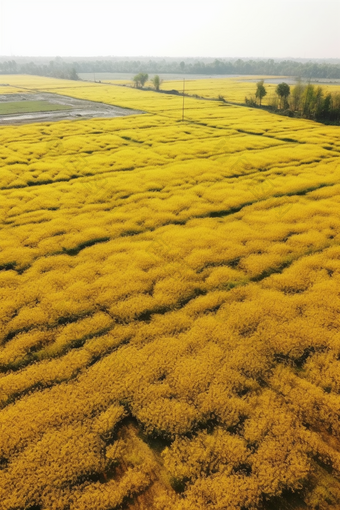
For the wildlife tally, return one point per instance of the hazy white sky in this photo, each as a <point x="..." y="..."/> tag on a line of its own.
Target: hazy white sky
<point x="174" y="28"/>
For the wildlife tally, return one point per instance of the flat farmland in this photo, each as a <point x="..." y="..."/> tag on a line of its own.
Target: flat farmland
<point x="170" y="307"/>
<point x="34" y="106"/>
<point x="10" y="107"/>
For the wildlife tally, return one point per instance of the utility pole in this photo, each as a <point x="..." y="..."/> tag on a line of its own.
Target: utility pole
<point x="183" y="99"/>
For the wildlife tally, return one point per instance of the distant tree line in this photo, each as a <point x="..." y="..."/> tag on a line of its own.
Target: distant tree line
<point x="303" y="100"/>
<point x="243" y="67"/>
<point x="55" y="68"/>
<point x="64" y="69"/>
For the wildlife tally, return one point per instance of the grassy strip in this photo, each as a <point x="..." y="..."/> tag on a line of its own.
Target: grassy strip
<point x="17" y="107"/>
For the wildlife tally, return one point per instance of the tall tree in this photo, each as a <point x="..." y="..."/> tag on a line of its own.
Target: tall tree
<point x="143" y="78"/>
<point x="140" y="80"/>
<point x="283" y="91"/>
<point x="296" y="96"/>
<point x="309" y="101"/>
<point x="157" y="82"/>
<point x="260" y="91"/>
<point x="319" y="102"/>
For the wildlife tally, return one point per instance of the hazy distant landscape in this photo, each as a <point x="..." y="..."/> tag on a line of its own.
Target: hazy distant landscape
<point x="129" y="76"/>
<point x="70" y="68"/>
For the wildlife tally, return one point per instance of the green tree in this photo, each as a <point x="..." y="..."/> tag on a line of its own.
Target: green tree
<point x="260" y="91"/>
<point x="157" y="82"/>
<point x="296" y="96"/>
<point x="327" y="106"/>
<point x="140" y="80"/>
<point x="309" y="101"/>
<point x="318" y="102"/>
<point x="283" y="91"/>
<point x="335" y="108"/>
<point x="143" y="78"/>
<point x="136" y="82"/>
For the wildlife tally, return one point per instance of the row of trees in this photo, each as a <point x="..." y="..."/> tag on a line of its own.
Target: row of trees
<point x="141" y="78"/>
<point x="303" y="100"/>
<point x="282" y="91"/>
<point x="306" y="70"/>
<point x="55" y="68"/>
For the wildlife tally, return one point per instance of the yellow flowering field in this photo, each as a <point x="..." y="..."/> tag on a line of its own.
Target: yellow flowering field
<point x="24" y="82"/>
<point x="170" y="308"/>
<point x="232" y="89"/>
<point x="10" y="90"/>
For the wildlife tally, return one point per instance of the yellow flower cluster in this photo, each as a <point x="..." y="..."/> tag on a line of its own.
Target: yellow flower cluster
<point x="169" y="318"/>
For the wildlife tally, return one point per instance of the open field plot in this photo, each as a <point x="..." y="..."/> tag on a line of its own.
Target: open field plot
<point x="10" y="107"/>
<point x="40" y="106"/>
<point x="169" y="309"/>
<point x="29" y="82"/>
<point x="8" y="89"/>
<point x="233" y="90"/>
